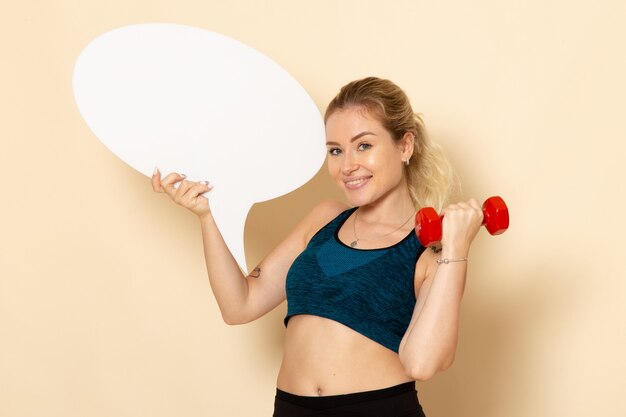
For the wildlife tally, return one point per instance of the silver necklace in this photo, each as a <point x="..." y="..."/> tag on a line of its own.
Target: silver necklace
<point x="356" y="238"/>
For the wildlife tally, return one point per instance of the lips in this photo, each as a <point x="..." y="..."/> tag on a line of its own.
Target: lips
<point x="356" y="183"/>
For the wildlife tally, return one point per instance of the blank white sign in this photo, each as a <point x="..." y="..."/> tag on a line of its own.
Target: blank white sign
<point x="196" y="102"/>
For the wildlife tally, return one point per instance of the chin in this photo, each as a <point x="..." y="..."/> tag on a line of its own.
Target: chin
<point x="357" y="200"/>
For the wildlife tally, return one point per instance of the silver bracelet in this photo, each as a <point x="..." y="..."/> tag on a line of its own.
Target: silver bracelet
<point x="447" y="261"/>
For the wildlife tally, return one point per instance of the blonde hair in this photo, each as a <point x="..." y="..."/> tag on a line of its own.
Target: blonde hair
<point x="429" y="174"/>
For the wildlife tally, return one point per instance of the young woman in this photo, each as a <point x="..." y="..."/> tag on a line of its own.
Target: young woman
<point x="369" y="309"/>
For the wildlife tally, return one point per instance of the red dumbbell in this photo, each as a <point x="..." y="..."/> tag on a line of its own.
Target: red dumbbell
<point x="428" y="222"/>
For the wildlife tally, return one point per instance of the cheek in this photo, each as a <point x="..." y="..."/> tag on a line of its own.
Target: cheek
<point x="388" y="164"/>
<point x="377" y="160"/>
<point x="371" y="160"/>
<point x="332" y="165"/>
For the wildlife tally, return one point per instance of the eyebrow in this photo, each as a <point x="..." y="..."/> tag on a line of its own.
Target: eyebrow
<point x="353" y="138"/>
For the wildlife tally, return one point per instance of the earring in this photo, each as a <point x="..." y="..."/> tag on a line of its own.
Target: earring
<point x="406" y="162"/>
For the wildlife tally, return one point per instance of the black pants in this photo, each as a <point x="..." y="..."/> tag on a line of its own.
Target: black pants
<point x="397" y="401"/>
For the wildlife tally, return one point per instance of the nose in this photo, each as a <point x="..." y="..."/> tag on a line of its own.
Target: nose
<point x="350" y="163"/>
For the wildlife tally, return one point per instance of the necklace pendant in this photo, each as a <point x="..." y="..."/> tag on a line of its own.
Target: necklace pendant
<point x="353" y="244"/>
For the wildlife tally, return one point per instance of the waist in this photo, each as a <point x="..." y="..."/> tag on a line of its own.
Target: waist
<point x="324" y="357"/>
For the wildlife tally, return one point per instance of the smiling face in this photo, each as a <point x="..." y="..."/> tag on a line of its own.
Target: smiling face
<point x="364" y="160"/>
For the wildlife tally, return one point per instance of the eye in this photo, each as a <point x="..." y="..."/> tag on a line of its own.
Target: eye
<point x="364" y="146"/>
<point x="334" y="151"/>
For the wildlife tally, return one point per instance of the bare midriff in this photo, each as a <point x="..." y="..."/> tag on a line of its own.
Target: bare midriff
<point x="323" y="357"/>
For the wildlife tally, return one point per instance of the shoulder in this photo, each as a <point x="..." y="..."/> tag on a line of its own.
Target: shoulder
<point x="321" y="215"/>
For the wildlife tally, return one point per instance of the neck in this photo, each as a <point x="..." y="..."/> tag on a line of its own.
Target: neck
<point x="391" y="209"/>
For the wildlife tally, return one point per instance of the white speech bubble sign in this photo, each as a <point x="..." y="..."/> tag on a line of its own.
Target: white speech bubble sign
<point x="200" y="103"/>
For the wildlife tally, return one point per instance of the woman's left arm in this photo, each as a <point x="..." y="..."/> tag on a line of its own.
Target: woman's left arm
<point x="429" y="344"/>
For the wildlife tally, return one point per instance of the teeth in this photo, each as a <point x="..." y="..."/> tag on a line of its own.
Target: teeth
<point x="355" y="182"/>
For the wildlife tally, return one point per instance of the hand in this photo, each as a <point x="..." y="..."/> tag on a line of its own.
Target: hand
<point x="461" y="222"/>
<point x="188" y="194"/>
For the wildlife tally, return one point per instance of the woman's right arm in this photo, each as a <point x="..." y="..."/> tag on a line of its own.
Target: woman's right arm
<point x="240" y="298"/>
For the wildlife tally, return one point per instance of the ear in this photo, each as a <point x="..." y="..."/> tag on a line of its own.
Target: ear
<point x="407" y="145"/>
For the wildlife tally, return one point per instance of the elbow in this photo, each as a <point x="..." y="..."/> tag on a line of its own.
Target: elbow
<point x="423" y="371"/>
<point x="234" y="319"/>
<point x="231" y="321"/>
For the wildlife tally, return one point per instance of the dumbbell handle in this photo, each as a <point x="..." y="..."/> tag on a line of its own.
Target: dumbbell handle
<point x="428" y="222"/>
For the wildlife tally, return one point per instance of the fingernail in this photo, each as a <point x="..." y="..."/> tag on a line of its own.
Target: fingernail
<point x="204" y="182"/>
<point x="156" y="170"/>
<point x="183" y="175"/>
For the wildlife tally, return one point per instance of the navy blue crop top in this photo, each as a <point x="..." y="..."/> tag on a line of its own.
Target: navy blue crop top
<point x="368" y="290"/>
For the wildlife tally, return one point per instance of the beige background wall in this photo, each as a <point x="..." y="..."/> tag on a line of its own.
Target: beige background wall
<point x="105" y="308"/>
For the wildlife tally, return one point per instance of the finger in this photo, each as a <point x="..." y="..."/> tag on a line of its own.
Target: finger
<point x="193" y="193"/>
<point x="196" y="189"/>
<point x="156" y="181"/>
<point x="183" y="187"/>
<point x="471" y="209"/>
<point x="192" y="198"/>
<point x="172" y="178"/>
<point x="169" y="182"/>
<point x="204" y="186"/>
<point x="188" y="190"/>
<point x="474" y="203"/>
